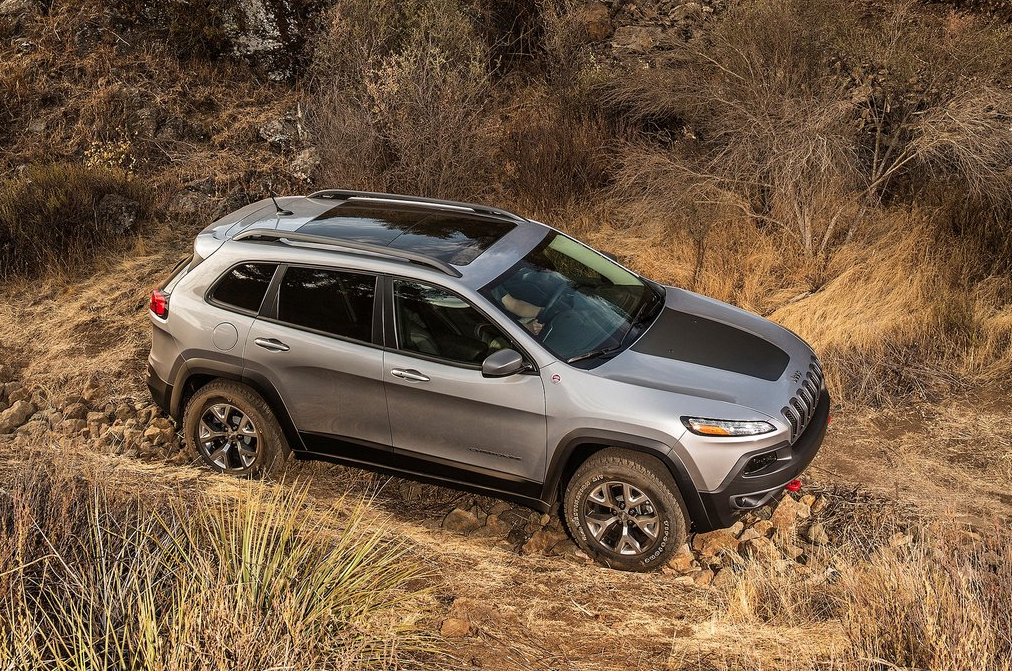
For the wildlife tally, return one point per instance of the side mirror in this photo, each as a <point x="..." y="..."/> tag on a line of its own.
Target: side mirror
<point x="502" y="363"/>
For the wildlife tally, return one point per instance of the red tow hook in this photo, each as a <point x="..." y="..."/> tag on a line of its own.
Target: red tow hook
<point x="794" y="486"/>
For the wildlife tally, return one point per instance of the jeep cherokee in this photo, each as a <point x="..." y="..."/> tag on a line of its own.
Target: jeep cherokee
<point x="468" y="346"/>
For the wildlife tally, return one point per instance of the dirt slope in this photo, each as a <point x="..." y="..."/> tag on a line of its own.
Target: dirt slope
<point x="525" y="612"/>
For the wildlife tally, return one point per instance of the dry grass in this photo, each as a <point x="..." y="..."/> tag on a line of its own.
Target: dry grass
<point x="96" y="578"/>
<point x="50" y="216"/>
<point x="943" y="604"/>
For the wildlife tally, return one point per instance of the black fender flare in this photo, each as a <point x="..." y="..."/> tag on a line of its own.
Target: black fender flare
<point x="575" y="442"/>
<point x="260" y="384"/>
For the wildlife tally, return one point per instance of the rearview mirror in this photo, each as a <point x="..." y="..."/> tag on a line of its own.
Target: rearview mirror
<point x="502" y="363"/>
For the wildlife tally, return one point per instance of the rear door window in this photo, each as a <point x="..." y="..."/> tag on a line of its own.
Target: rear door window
<point x="334" y="302"/>
<point x="244" y="287"/>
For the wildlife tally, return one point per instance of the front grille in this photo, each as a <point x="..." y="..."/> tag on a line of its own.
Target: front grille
<point x="801" y="407"/>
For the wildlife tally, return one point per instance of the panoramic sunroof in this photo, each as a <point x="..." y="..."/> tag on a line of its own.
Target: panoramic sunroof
<point x="454" y="238"/>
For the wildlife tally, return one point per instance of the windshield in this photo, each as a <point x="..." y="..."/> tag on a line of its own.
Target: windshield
<point x="577" y="303"/>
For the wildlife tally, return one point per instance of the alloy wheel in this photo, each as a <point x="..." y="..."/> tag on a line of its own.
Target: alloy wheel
<point x="621" y="517"/>
<point x="229" y="437"/>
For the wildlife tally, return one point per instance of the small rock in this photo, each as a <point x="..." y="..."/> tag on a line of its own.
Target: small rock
<point x="18" y="394"/>
<point x="758" y="548"/>
<point x="542" y="542"/>
<point x="816" y="534"/>
<point x="304" y="165"/>
<point x="71" y="427"/>
<point x="567" y="548"/>
<point x="454" y="627"/>
<point x="635" y="39"/>
<point x="749" y="534"/>
<point x="703" y="578"/>
<point x="819" y="504"/>
<point x="118" y="213"/>
<point x="683" y="560"/>
<point x="715" y="542"/>
<point x="785" y="517"/>
<point x="808" y="500"/>
<point x="188" y="202"/>
<point x="152" y="433"/>
<point x="499" y="507"/>
<point x="763" y="528"/>
<point x="16" y="415"/>
<point x="97" y="418"/>
<point x="124" y="412"/>
<point x="6" y="373"/>
<point x="494" y="527"/>
<point x="724" y="578"/>
<point x="737" y="527"/>
<point x="461" y="521"/>
<point x="595" y="19"/>
<point x="793" y="551"/>
<point x="75" y="411"/>
<point x="277" y="132"/>
<point x="162" y="423"/>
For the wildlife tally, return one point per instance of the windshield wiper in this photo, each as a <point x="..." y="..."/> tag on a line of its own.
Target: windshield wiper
<point x="595" y="353"/>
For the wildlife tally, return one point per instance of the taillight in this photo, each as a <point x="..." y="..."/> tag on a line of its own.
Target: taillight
<point x="159" y="304"/>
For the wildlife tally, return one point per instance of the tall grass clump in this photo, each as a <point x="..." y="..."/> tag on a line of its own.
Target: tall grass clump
<point x="50" y="215"/>
<point x="937" y="605"/>
<point x="90" y="579"/>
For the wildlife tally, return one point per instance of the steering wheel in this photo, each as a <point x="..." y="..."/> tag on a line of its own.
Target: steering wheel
<point x="553" y="299"/>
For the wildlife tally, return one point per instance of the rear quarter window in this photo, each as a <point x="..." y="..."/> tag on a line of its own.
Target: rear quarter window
<point x="244" y="287"/>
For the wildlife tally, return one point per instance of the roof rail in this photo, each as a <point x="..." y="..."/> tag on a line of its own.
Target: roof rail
<point x="413" y="257"/>
<point x="345" y="194"/>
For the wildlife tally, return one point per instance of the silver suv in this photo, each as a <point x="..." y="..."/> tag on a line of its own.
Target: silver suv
<point x="471" y="347"/>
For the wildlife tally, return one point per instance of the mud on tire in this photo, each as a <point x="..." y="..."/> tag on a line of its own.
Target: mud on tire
<point x="598" y="492"/>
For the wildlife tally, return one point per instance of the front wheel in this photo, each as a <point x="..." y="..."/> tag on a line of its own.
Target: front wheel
<point x="624" y="510"/>
<point x="234" y="431"/>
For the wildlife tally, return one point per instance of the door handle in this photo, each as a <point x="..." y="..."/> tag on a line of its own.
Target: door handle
<point x="271" y="344"/>
<point x="410" y="375"/>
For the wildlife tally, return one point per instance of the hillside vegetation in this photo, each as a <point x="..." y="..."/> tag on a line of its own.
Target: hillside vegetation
<point x="843" y="168"/>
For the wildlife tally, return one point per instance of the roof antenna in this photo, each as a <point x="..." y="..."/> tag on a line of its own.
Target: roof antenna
<point x="281" y="212"/>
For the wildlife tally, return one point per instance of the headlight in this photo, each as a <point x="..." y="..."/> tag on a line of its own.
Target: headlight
<point x="726" y="427"/>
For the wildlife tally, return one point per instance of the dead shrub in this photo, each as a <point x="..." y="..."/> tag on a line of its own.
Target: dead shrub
<point x="49" y="215"/>
<point x="937" y="605"/>
<point x="553" y="155"/>
<point x="412" y="112"/>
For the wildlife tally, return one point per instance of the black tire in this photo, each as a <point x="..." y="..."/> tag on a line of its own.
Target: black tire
<point x="266" y="453"/>
<point x="595" y="493"/>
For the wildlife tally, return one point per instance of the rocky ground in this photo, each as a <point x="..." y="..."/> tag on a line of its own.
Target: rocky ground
<point x="787" y="533"/>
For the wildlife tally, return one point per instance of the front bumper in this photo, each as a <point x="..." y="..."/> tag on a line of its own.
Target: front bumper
<point x="740" y="493"/>
<point x="161" y="391"/>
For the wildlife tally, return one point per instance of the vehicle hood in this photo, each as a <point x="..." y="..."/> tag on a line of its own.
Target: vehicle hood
<point x="704" y="348"/>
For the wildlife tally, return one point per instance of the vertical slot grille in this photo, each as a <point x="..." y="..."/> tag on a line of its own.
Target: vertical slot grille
<point x="801" y="407"/>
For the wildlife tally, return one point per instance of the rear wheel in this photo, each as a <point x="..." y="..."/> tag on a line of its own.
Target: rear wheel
<point x="624" y="510"/>
<point x="234" y="431"/>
